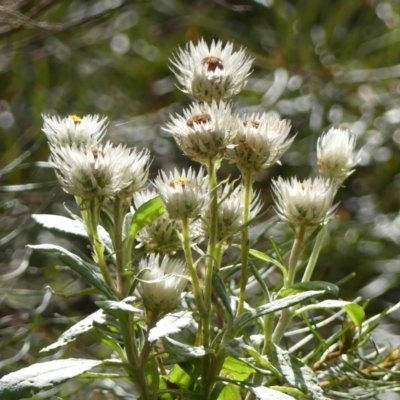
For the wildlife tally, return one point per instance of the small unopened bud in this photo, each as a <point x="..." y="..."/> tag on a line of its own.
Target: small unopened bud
<point x="336" y="154"/>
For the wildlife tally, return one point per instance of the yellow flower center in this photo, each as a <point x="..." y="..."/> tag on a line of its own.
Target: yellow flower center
<point x="76" y="119"/>
<point x="179" y="181"/>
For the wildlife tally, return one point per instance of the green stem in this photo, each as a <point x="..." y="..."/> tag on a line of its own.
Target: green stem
<point x="119" y="212"/>
<point x="287" y="314"/>
<point x="98" y="247"/>
<point x="247" y="183"/>
<point x="192" y="269"/>
<point x="314" y="255"/>
<point x="144" y="355"/>
<point x="136" y="374"/>
<point x="210" y="266"/>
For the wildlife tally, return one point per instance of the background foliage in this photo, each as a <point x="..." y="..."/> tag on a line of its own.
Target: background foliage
<point x="318" y="63"/>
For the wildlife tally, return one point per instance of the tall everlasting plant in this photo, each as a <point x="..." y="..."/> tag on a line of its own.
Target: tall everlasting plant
<point x="180" y="321"/>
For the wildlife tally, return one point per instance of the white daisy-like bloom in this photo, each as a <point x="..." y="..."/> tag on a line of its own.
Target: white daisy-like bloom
<point x="204" y="131"/>
<point x="183" y="194"/>
<point x="211" y="73"/>
<point x="336" y="154"/>
<point x="88" y="130"/>
<point x="103" y="171"/>
<point x="230" y="212"/>
<point x="307" y="203"/>
<point x="259" y="142"/>
<point x="162" y="283"/>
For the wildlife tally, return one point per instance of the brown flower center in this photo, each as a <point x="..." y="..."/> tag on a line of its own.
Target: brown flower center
<point x="97" y="152"/>
<point x="198" y="119"/>
<point x="213" y="63"/>
<point x="256" y="124"/>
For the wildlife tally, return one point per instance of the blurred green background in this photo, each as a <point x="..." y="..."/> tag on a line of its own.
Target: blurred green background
<point x="319" y="63"/>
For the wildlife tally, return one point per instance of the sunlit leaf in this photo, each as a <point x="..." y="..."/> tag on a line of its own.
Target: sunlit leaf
<point x="243" y="319"/>
<point x="355" y="312"/>
<point x="171" y="323"/>
<point x="69" y="225"/>
<point x="42" y="376"/>
<point x="78" y="265"/>
<point x="146" y="214"/>
<point x="294" y="372"/>
<point x="264" y="393"/>
<point x="75" y="331"/>
<point x="314" y="285"/>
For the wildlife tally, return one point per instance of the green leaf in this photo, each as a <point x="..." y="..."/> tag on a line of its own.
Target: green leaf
<point x="243" y="319"/>
<point x="230" y="392"/>
<point x="78" y="265"/>
<point x="171" y="323"/>
<point x="220" y="288"/>
<point x="304" y="286"/>
<point x="236" y="369"/>
<point x="294" y="372"/>
<point x="152" y="375"/>
<point x="146" y="214"/>
<point x="179" y="377"/>
<point x="263" y="393"/>
<point x="179" y="353"/>
<point x="75" y="331"/>
<point x="42" y="376"/>
<point x="115" y="306"/>
<point x="185" y="394"/>
<point x="72" y="226"/>
<point x="264" y="257"/>
<point x="355" y="312"/>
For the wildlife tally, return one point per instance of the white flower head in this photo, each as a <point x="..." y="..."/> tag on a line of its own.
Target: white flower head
<point x="204" y="131"/>
<point x="336" y="154"/>
<point x="162" y="283"/>
<point x="307" y="203"/>
<point x="259" y="142"/>
<point x="230" y="212"/>
<point x="161" y="234"/>
<point x="211" y="73"/>
<point x="183" y="194"/>
<point x="103" y="171"/>
<point x="88" y="130"/>
<point x="132" y="170"/>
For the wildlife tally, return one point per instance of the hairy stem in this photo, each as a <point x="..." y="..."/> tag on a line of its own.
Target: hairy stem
<point x="314" y="255"/>
<point x="247" y="182"/>
<point x="287" y="314"/>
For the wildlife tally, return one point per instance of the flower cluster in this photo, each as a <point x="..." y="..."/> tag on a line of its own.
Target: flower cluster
<point x="88" y="169"/>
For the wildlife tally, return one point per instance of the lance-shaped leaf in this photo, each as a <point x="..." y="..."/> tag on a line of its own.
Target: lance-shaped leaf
<point x="78" y="265"/>
<point x="179" y="353"/>
<point x="146" y="214"/>
<point x="294" y="372"/>
<point x="117" y="306"/>
<point x="219" y="286"/>
<point x="355" y="312"/>
<point x="263" y="393"/>
<point x="171" y="323"/>
<point x="276" y="305"/>
<point x="314" y="285"/>
<point x="75" y="331"/>
<point x="72" y="226"/>
<point x="43" y="376"/>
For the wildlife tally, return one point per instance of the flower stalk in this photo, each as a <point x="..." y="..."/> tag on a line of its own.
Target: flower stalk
<point x="287" y="314"/>
<point x="247" y="195"/>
